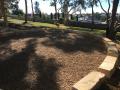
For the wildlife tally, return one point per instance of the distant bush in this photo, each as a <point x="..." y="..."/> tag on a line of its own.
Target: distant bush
<point x="86" y="25"/>
<point x="18" y="12"/>
<point x="61" y="20"/>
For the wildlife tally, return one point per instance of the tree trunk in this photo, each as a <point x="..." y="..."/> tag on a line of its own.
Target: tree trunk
<point x="66" y="11"/>
<point x="80" y="12"/>
<point x="0" y="10"/>
<point x="26" y="11"/>
<point x="4" y="11"/>
<point x="56" y="16"/>
<point x="32" y="10"/>
<point x="5" y="16"/>
<point x="92" y="14"/>
<point x="108" y="23"/>
<point x="112" y="32"/>
<point x="107" y="15"/>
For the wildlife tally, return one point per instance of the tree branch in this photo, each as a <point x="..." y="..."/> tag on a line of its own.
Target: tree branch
<point x="70" y="9"/>
<point x="109" y="6"/>
<point x="102" y="7"/>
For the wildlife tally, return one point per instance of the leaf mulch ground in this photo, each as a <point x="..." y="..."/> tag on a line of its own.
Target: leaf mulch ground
<point x="55" y="61"/>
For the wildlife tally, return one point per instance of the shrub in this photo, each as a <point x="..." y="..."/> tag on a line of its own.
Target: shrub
<point x="86" y="25"/>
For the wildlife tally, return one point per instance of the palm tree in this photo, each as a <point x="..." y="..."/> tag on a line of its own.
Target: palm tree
<point x="32" y="9"/>
<point x="26" y="11"/>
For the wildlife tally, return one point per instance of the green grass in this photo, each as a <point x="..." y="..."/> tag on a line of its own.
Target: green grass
<point x="63" y="27"/>
<point x="16" y="21"/>
<point x="37" y="24"/>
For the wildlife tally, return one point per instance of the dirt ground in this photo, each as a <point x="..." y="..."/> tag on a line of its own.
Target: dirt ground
<point x="55" y="61"/>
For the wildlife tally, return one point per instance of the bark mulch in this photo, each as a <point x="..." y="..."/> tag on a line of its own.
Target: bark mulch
<point x="53" y="62"/>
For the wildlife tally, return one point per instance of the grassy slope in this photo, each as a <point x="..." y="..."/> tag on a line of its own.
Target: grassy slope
<point x="48" y="25"/>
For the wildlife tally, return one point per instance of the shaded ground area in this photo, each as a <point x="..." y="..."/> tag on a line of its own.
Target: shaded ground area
<point x="47" y="60"/>
<point x="114" y="82"/>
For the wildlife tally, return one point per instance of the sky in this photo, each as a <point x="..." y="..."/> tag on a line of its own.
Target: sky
<point x="46" y="8"/>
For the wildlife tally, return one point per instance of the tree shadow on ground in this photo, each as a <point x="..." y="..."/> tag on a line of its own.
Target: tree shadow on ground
<point x="112" y="83"/>
<point x="66" y="40"/>
<point x="21" y="34"/>
<point x="47" y="79"/>
<point x="73" y="42"/>
<point x="15" y="69"/>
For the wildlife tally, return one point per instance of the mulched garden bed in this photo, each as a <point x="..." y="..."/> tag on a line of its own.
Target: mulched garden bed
<point x="53" y="61"/>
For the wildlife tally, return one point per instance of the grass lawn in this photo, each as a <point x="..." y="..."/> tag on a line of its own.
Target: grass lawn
<point x="63" y="27"/>
<point x="37" y="24"/>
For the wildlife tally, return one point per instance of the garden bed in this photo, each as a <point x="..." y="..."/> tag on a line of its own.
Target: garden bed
<point x="53" y="61"/>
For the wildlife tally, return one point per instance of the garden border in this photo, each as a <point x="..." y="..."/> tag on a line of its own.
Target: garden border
<point x="94" y="79"/>
<point x="105" y="70"/>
